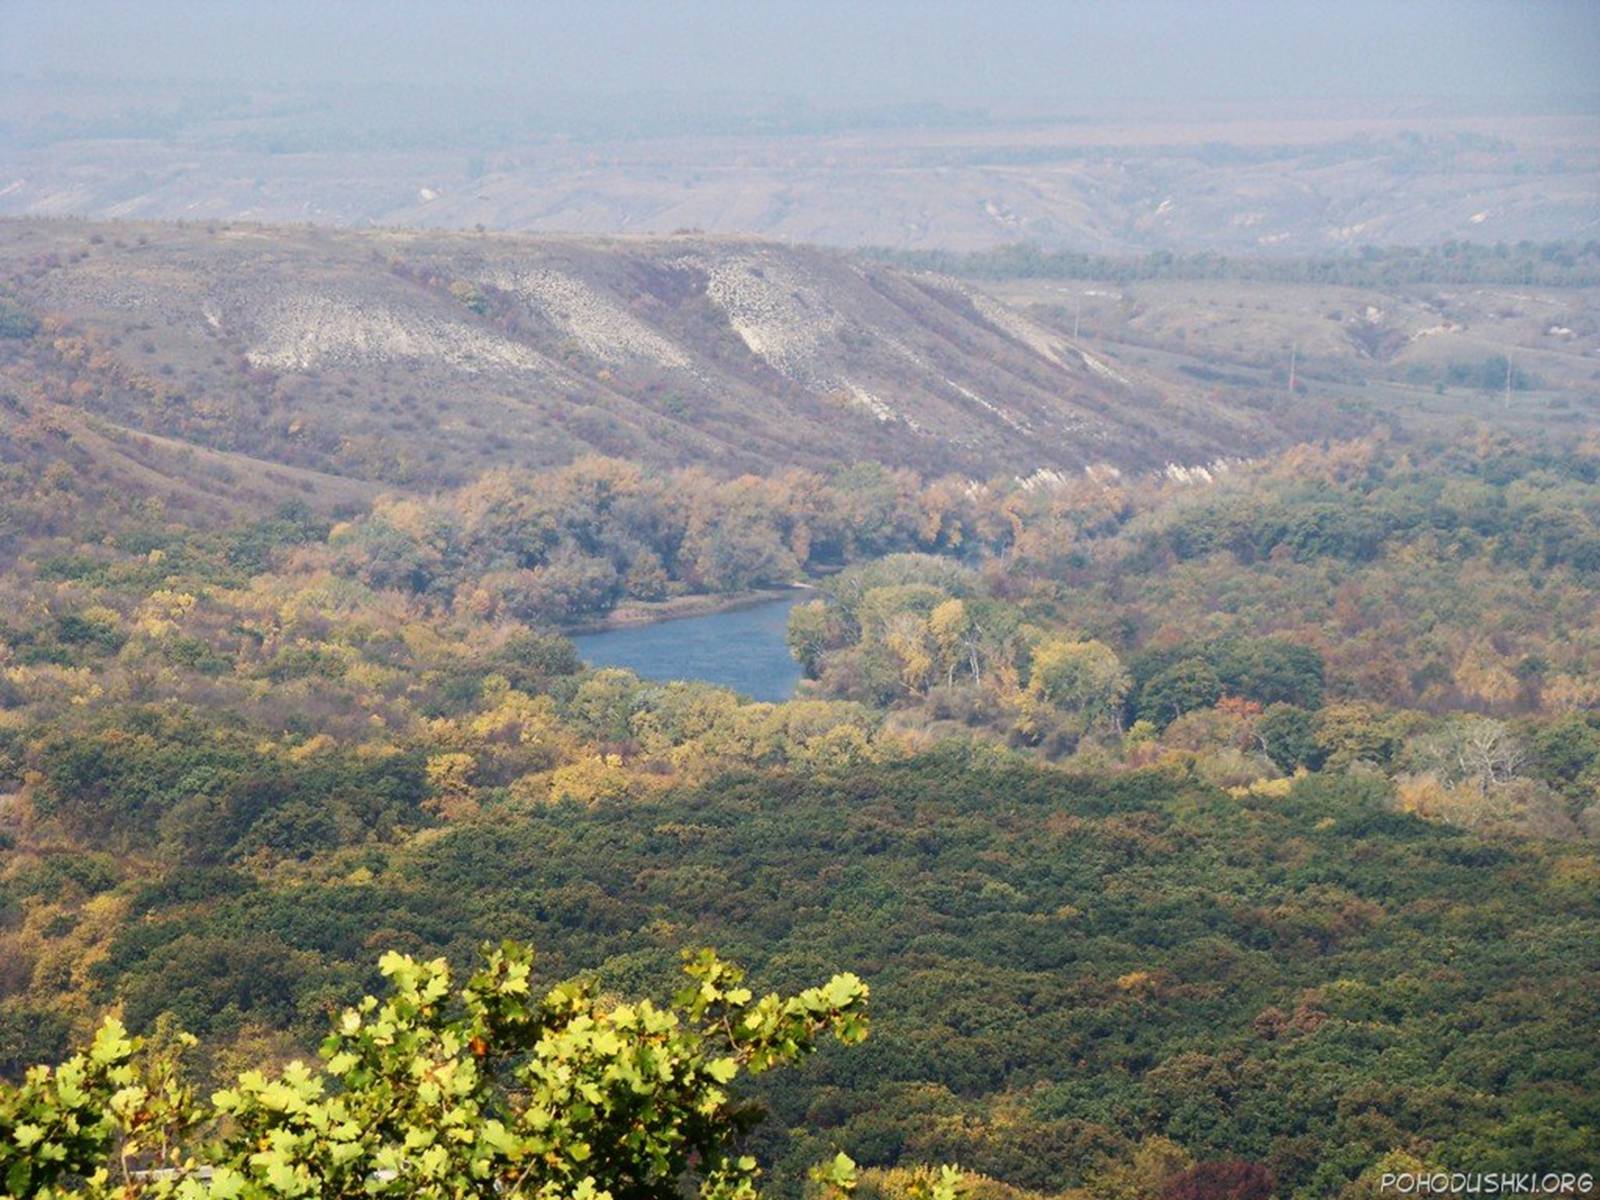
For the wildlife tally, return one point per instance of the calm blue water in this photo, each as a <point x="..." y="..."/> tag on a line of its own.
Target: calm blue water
<point x="743" y="649"/>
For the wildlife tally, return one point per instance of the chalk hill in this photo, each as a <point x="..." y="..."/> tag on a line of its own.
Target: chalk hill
<point x="417" y="359"/>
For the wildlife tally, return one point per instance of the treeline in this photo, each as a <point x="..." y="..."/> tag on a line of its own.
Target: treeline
<point x="567" y="545"/>
<point x="1425" y="615"/>
<point x="1430" y="544"/>
<point x="1488" y="374"/>
<point x="1568" y="263"/>
<point x="1362" y="604"/>
<point x="1249" y="714"/>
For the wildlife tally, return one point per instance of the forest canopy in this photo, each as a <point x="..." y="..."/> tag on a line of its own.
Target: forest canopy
<point x="1212" y="830"/>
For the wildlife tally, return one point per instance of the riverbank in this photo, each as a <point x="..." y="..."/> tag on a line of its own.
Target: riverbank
<point x="700" y="604"/>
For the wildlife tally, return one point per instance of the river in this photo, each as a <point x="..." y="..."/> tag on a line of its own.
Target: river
<point x="742" y="649"/>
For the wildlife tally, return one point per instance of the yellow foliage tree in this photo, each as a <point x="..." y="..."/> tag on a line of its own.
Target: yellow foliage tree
<point x="590" y="780"/>
<point x="1154" y="1162"/>
<point x="949" y="624"/>
<point x="450" y="790"/>
<point x="1482" y="676"/>
<point x="1084" y="679"/>
<point x="906" y="636"/>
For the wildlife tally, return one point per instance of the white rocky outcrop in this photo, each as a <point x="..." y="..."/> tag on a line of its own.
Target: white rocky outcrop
<point x="313" y="330"/>
<point x="596" y="321"/>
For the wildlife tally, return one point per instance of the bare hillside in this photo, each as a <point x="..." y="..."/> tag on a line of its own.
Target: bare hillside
<point x="420" y="358"/>
<point x="1419" y="354"/>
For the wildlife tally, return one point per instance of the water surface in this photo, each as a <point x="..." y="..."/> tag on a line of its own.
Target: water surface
<point x="742" y="649"/>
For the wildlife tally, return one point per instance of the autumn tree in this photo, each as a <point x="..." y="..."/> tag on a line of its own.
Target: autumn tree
<point x="812" y="631"/>
<point x="952" y="630"/>
<point x="905" y="635"/>
<point x="1234" y="1179"/>
<point x="1470" y="750"/>
<point x="1084" y="679"/>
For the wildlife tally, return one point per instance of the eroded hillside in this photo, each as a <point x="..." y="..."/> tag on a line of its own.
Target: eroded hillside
<point x="419" y="359"/>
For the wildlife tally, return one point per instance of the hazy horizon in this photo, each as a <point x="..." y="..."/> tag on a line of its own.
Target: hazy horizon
<point x="1237" y="125"/>
<point x="1005" y="54"/>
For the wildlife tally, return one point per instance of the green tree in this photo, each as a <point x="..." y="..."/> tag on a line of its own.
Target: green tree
<point x="740" y="552"/>
<point x="951" y="627"/>
<point x="1183" y="687"/>
<point x="1288" y="734"/>
<point x="431" y="1093"/>
<point x="118" y="1102"/>
<point x="1083" y="678"/>
<point x="812" y="630"/>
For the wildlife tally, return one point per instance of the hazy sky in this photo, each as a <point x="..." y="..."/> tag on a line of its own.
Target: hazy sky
<point x="972" y="53"/>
